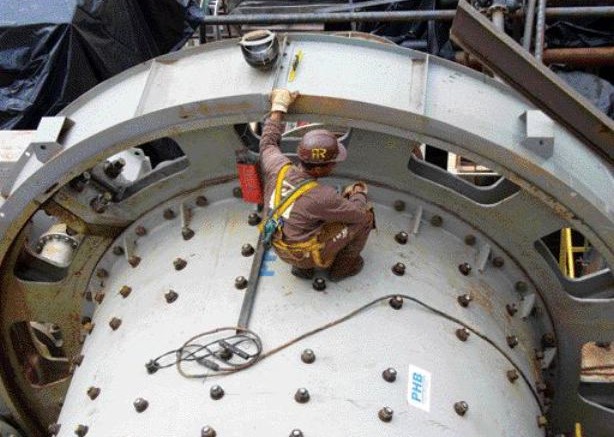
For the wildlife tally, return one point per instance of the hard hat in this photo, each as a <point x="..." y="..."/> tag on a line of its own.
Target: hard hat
<point x="321" y="147"/>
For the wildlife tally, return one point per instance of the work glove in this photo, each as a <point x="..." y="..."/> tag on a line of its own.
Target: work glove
<point x="356" y="187"/>
<point x="281" y="99"/>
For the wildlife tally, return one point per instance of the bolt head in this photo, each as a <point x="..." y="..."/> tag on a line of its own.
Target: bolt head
<point x="81" y="430"/>
<point x="464" y="268"/>
<point x="385" y="414"/>
<point x="247" y="250"/>
<point x="115" y="323"/>
<point x="399" y="205"/>
<point x="498" y="261"/>
<point x="436" y="220"/>
<point x="207" y="431"/>
<point x="125" y="291"/>
<point x="216" y="392"/>
<point x="187" y="233"/>
<point x="140" y="404"/>
<point x="179" y="263"/>
<point x="237" y="192"/>
<point x="171" y="296"/>
<point x="134" y="261"/>
<point x="470" y="239"/>
<point x="389" y="375"/>
<point x="461" y="408"/>
<point x="511" y="309"/>
<point x="512" y="375"/>
<point x="296" y="433"/>
<point x="102" y="273"/>
<point x="401" y="237"/>
<point x="118" y="250"/>
<point x="302" y="396"/>
<point x="225" y="354"/>
<point x="308" y="356"/>
<point x="464" y="300"/>
<point x="462" y="334"/>
<point x="140" y="231"/>
<point x="512" y="341"/>
<point x="93" y="392"/>
<point x="152" y="367"/>
<point x="539" y="355"/>
<point x="240" y="282"/>
<point x="396" y="302"/>
<point x="254" y="219"/>
<point x="202" y="201"/>
<point x="99" y="297"/>
<point x="398" y="269"/>
<point x="548" y="340"/>
<point x="319" y="284"/>
<point x="168" y="214"/>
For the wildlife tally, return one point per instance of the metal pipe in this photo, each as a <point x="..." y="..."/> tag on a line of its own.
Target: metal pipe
<point x="528" y="25"/>
<point x="498" y="19"/>
<point x="589" y="56"/>
<point x="540" y="29"/>
<point x="345" y="17"/>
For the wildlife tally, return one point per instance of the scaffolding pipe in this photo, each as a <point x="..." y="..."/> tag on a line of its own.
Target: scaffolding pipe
<point x="528" y="25"/>
<point x="346" y="17"/>
<point x="540" y="30"/>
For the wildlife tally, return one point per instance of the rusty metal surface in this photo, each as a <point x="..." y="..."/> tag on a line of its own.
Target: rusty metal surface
<point x="584" y="57"/>
<point x="517" y="67"/>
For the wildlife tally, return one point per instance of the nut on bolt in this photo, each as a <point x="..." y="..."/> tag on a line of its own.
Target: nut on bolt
<point x="171" y="296"/>
<point x="134" y="261"/>
<point x="93" y="392"/>
<point x="207" y="431"/>
<point x="81" y="430"/>
<point x="461" y="408"/>
<point x="140" y="404"/>
<point x="498" y="261"/>
<point x="436" y="220"/>
<point x="470" y="239"/>
<point x="401" y="237"/>
<point x="389" y="375"/>
<point x="179" y="263"/>
<point x="464" y="300"/>
<point x="187" y="233"/>
<point x="54" y="429"/>
<point x="462" y="334"/>
<point x="296" y="433"/>
<point x="115" y="323"/>
<point x="399" y="205"/>
<point x="118" y="250"/>
<point x="308" y="356"/>
<point x="511" y="309"/>
<point x="240" y="282"/>
<point x="216" y="392"/>
<point x="398" y="269"/>
<point x="125" y="291"/>
<point x="254" y="219"/>
<point x="464" y="268"/>
<point x="396" y="302"/>
<point x="247" y="250"/>
<point x="202" y="201"/>
<point x="512" y="341"/>
<point x="140" y="231"/>
<point x="114" y="168"/>
<point x="385" y="414"/>
<point x="512" y="375"/>
<point x="169" y="214"/>
<point x="302" y="395"/>
<point x="319" y="284"/>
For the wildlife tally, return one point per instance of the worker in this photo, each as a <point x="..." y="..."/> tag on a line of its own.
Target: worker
<point x="309" y="224"/>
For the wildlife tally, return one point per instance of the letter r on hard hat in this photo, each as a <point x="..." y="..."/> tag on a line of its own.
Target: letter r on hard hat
<point x="321" y="146"/>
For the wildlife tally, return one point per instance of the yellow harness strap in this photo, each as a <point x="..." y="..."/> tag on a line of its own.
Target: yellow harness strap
<point x="281" y="208"/>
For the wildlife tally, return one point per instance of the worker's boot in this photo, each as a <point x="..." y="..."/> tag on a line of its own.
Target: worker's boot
<point x="303" y="273"/>
<point x="344" y="267"/>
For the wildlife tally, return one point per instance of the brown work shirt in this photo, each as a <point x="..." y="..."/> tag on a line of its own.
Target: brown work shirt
<point x="318" y="206"/>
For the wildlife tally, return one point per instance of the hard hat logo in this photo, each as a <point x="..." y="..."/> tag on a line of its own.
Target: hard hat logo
<point x="320" y="147"/>
<point x="318" y="154"/>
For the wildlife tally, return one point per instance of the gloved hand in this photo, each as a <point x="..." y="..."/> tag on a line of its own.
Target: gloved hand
<point x="356" y="187"/>
<point x="281" y="99"/>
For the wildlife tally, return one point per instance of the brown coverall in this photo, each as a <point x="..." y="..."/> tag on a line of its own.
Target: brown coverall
<point x="343" y="225"/>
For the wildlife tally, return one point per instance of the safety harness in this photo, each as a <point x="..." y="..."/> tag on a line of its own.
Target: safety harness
<point x="274" y="221"/>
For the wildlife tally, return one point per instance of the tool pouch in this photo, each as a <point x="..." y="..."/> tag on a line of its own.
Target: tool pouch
<point x="249" y="178"/>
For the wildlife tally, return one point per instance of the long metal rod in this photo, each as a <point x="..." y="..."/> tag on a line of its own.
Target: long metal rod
<point x="528" y="25"/>
<point x="252" y="285"/>
<point x="540" y="30"/>
<point x="345" y="17"/>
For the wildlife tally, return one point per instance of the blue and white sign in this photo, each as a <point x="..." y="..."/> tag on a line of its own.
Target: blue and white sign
<point x="419" y="388"/>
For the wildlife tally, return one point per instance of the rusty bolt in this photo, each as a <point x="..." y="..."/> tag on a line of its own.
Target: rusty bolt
<point x="99" y="297"/>
<point x="542" y="421"/>
<point x="462" y="334"/>
<point x="399" y="205"/>
<point x="308" y="356"/>
<point x="207" y="431"/>
<point x="436" y="220"/>
<point x="498" y="261"/>
<point x="319" y="284"/>
<point x="81" y="430"/>
<point x="237" y="192"/>
<point x="521" y="286"/>
<point x="118" y="250"/>
<point x="216" y="392"/>
<point x="101" y="202"/>
<point x="464" y="268"/>
<point x="134" y="261"/>
<point x="102" y="273"/>
<point x="470" y="239"/>
<point x="247" y="250"/>
<point x="511" y="309"/>
<point x="225" y="354"/>
<point x="140" y="231"/>
<point x="93" y="392"/>
<point x="187" y="233"/>
<point x="389" y="375"/>
<point x="202" y="201"/>
<point x="296" y="433"/>
<point x="401" y="237"/>
<point x="396" y="302"/>
<point x="240" y="282"/>
<point x="512" y="341"/>
<point x="398" y="269"/>
<point x="254" y="219"/>
<point x="171" y="296"/>
<point x="464" y="300"/>
<point x="548" y="340"/>
<point x="168" y="214"/>
<point x="125" y="291"/>
<point x="180" y="263"/>
<point x="385" y="414"/>
<point x="140" y="404"/>
<point x="461" y="408"/>
<point x="78" y="184"/>
<point x="114" y="168"/>
<point x="302" y="396"/>
<point x="54" y="429"/>
<point x="512" y="375"/>
<point x="115" y="323"/>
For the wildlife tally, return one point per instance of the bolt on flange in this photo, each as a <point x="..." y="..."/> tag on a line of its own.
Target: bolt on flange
<point x="179" y="263"/>
<point x="461" y="408"/>
<point x="464" y="268"/>
<point x="171" y="296"/>
<point x="247" y="250"/>
<point x="398" y="269"/>
<point x="140" y="231"/>
<point x="81" y="430"/>
<point x="296" y="433"/>
<point x="464" y="300"/>
<point x="302" y="395"/>
<point x="202" y="201"/>
<point x="462" y="334"/>
<point x="216" y="392"/>
<point x="401" y="237"/>
<point x="169" y="214"/>
<point x="389" y="375"/>
<point x="470" y="239"/>
<point x="436" y="221"/>
<point x="140" y="404"/>
<point x="93" y="392"/>
<point x="134" y="261"/>
<point x="187" y="233"/>
<point x="254" y="219"/>
<point x="399" y="205"/>
<point x="308" y="356"/>
<point x="512" y="341"/>
<point x="240" y="282"/>
<point x="125" y="291"/>
<point x="319" y="284"/>
<point x="396" y="302"/>
<point x="511" y="308"/>
<point x="207" y="431"/>
<point x="115" y="323"/>
<point x="498" y="261"/>
<point x="512" y="375"/>
<point x="385" y="414"/>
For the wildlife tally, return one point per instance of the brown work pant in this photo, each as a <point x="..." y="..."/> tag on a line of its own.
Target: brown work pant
<point x="340" y="241"/>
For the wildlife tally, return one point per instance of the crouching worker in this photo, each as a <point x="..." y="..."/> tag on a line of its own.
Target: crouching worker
<point x="309" y="224"/>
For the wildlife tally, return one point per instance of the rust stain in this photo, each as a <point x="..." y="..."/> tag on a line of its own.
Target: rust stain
<point x="482" y="295"/>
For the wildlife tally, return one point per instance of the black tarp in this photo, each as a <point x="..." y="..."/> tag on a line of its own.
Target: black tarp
<point x="52" y="51"/>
